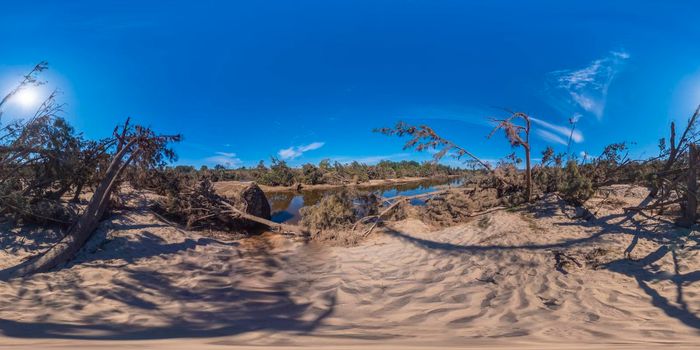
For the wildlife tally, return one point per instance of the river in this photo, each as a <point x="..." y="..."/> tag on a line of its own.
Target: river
<point x="285" y="205"/>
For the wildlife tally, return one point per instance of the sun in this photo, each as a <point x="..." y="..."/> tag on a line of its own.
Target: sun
<point x="27" y="97"/>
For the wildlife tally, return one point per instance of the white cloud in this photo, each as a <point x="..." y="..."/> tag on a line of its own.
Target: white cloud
<point x="550" y="137"/>
<point x="587" y="88"/>
<point x="296" y="151"/>
<point x="226" y="154"/>
<point x="226" y="159"/>
<point x="620" y="54"/>
<point x="557" y="133"/>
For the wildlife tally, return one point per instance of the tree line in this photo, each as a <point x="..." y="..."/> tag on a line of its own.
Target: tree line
<point x="279" y="173"/>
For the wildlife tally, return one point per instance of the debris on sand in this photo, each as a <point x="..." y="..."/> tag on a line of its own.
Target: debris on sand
<point x="332" y="218"/>
<point x="457" y="205"/>
<point x="200" y="206"/>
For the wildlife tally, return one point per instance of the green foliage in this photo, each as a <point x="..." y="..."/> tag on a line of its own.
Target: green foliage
<point x="279" y="174"/>
<point x="185" y="169"/>
<point x="310" y="174"/>
<point x="548" y="176"/>
<point x="575" y="187"/>
<point x="333" y="211"/>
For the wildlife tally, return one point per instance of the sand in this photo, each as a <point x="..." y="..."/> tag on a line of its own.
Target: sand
<point x="531" y="278"/>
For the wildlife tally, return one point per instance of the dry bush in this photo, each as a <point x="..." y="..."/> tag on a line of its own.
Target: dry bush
<point x="334" y="211"/>
<point x="506" y="180"/>
<point x="199" y="206"/>
<point x="455" y="206"/>
<point x="333" y="217"/>
<point x="338" y="237"/>
<point x="164" y="181"/>
<point x="403" y="211"/>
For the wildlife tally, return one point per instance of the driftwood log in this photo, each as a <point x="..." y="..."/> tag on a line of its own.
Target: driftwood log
<point x="283" y="228"/>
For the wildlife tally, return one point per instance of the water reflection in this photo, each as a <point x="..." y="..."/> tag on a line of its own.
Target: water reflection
<point x="285" y="205"/>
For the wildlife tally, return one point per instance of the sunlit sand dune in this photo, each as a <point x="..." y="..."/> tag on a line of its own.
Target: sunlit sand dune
<point x="513" y="278"/>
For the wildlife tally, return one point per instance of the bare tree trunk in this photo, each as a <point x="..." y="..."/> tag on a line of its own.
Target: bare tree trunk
<point x="528" y="175"/>
<point x="528" y="165"/>
<point x="691" y="206"/>
<point x="78" y="190"/>
<point x="66" y="249"/>
<point x="669" y="162"/>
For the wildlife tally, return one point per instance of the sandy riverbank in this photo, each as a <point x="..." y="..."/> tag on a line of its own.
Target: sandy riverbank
<point x="528" y="278"/>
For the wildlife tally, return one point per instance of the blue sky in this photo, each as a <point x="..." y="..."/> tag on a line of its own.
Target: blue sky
<point x="307" y="80"/>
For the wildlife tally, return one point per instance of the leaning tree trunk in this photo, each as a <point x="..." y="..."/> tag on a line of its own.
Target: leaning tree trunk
<point x="691" y="205"/>
<point x="528" y="175"/>
<point x="79" y="233"/>
<point x="78" y="190"/>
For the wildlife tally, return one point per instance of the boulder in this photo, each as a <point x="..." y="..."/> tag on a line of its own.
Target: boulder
<point x="246" y="197"/>
<point x="254" y="200"/>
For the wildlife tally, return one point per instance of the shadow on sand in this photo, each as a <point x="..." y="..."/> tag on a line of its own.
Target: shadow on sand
<point x="645" y="271"/>
<point x="217" y="305"/>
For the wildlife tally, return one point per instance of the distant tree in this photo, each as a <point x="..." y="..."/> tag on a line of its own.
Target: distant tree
<point x="325" y="165"/>
<point x="280" y="174"/>
<point x="311" y="175"/>
<point x="185" y="169"/>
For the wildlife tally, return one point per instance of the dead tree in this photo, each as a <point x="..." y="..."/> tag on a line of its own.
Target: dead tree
<point x="518" y="135"/>
<point x="674" y="149"/>
<point x="572" y="121"/>
<point x="675" y="180"/>
<point x="137" y="146"/>
<point x="691" y="205"/>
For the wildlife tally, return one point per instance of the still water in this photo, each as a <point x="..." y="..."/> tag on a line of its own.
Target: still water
<point x="285" y="205"/>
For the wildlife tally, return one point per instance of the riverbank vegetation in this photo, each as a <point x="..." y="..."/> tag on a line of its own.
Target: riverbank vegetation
<point x="279" y="173"/>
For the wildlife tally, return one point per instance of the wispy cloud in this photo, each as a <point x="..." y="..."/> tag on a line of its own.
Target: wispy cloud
<point x="587" y="88"/>
<point x="226" y="159"/>
<point x="296" y="151"/>
<point x="556" y="133"/>
<point x="548" y="136"/>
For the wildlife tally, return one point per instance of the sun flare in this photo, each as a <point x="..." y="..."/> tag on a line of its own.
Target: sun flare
<point x="27" y="97"/>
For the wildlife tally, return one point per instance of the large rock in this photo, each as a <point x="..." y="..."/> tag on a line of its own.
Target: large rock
<point x="254" y="200"/>
<point x="247" y="197"/>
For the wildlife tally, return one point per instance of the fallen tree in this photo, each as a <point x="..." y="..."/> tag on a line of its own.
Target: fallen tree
<point x="133" y="146"/>
<point x="194" y="203"/>
<point x="674" y="182"/>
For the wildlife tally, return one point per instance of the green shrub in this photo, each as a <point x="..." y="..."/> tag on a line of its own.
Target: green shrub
<point x="575" y="188"/>
<point x="333" y="211"/>
<point x="310" y="174"/>
<point x="280" y="174"/>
